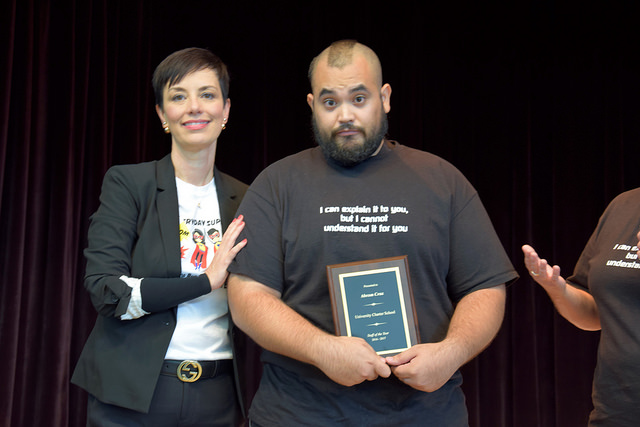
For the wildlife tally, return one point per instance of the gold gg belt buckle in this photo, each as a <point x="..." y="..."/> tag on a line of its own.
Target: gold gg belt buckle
<point x="189" y="371"/>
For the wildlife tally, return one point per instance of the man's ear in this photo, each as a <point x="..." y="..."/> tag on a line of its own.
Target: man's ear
<point x="310" y="100"/>
<point x="385" y="94"/>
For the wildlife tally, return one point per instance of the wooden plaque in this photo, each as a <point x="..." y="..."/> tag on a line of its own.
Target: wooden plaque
<point x="373" y="300"/>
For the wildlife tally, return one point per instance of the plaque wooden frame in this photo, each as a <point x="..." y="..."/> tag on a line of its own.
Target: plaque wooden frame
<point x="373" y="300"/>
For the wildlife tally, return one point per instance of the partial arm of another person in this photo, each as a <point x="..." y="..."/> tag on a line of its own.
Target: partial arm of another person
<point x="575" y="305"/>
<point x="258" y="310"/>
<point x="475" y="322"/>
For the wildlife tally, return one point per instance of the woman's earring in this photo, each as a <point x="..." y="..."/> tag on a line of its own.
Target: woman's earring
<point x="224" y="124"/>
<point x="165" y="127"/>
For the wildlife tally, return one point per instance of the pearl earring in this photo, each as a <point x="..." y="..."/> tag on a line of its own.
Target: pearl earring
<point x="165" y="127"/>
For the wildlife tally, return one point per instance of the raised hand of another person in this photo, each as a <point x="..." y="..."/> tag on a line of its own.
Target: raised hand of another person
<point x="547" y="276"/>
<point x="575" y="305"/>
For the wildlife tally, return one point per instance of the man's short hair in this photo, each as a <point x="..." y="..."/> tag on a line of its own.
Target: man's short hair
<point x="340" y="54"/>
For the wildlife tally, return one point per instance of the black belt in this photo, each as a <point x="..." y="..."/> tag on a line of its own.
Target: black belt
<point x="189" y="371"/>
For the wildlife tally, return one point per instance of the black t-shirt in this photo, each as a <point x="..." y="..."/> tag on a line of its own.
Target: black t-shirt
<point x="610" y="270"/>
<point x="304" y="213"/>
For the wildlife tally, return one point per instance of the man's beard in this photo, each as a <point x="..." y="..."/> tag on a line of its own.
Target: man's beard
<point x="346" y="154"/>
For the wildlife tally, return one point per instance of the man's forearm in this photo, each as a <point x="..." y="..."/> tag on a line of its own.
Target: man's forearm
<point x="476" y="321"/>
<point x="259" y="311"/>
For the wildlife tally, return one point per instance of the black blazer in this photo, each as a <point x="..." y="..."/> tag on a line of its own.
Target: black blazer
<point x="134" y="233"/>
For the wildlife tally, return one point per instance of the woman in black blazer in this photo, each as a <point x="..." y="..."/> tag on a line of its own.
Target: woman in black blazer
<point x="160" y="352"/>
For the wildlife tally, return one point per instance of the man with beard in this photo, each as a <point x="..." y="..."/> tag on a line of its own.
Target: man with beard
<point x="359" y="196"/>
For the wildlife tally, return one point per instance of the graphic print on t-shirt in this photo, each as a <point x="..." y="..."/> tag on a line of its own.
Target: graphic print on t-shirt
<point x="630" y="256"/>
<point x="214" y="236"/>
<point x="199" y="257"/>
<point x="195" y="243"/>
<point x="364" y="219"/>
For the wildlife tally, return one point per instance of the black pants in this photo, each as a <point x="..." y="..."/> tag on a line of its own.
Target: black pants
<point x="206" y="402"/>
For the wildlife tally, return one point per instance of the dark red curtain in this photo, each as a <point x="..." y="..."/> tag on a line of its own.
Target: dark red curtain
<point x="537" y="103"/>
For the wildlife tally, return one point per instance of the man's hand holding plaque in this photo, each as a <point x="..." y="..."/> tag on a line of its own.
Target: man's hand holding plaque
<point x="349" y="360"/>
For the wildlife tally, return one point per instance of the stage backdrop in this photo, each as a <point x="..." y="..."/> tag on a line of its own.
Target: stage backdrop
<point x="537" y="104"/>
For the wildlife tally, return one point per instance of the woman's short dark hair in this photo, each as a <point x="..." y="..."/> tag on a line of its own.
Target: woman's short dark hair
<point x="177" y="65"/>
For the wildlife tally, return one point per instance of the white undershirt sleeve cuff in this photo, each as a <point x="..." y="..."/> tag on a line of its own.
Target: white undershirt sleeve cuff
<point x="134" y="310"/>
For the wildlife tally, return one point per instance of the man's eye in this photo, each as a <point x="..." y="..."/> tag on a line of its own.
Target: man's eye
<point x="329" y="103"/>
<point x="360" y="99"/>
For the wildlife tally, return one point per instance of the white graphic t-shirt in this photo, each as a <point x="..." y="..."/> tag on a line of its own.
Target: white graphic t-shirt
<point x="201" y="330"/>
